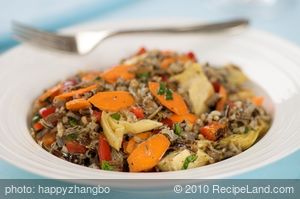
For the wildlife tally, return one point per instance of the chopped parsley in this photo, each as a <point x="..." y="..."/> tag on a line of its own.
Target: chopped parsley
<point x="177" y="129"/>
<point x="73" y="121"/>
<point x="162" y="89"/>
<point x="71" y="136"/>
<point x="116" y="116"/>
<point x="36" y="118"/>
<point x="106" y="166"/>
<point x="188" y="160"/>
<point x="169" y="94"/>
<point x="144" y="76"/>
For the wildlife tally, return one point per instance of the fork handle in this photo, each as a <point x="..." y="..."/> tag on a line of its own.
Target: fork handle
<point x="213" y="27"/>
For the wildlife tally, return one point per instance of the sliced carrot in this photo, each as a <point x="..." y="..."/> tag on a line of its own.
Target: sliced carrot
<point x="131" y="145"/>
<point x="48" y="139"/>
<point x="221" y="103"/>
<point x="112" y="100"/>
<point x="75" y="92"/>
<point x="180" y="118"/>
<point x="77" y="104"/>
<point x="212" y="130"/>
<point x="167" y="62"/>
<point x="90" y="76"/>
<point x="176" y="105"/>
<point x="52" y="92"/>
<point x="147" y="154"/>
<point x="258" y="101"/>
<point x="121" y="71"/>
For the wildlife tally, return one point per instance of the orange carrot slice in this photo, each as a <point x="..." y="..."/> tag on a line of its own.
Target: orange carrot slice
<point x="176" y="105"/>
<point x="147" y="154"/>
<point x="210" y="131"/>
<point x="258" y="101"/>
<point x="131" y="145"/>
<point x="221" y="103"/>
<point x="75" y="92"/>
<point x="52" y="92"/>
<point x="112" y="100"/>
<point x="77" y="104"/>
<point x="90" y="76"/>
<point x="167" y="62"/>
<point x="179" y="118"/>
<point x="121" y="71"/>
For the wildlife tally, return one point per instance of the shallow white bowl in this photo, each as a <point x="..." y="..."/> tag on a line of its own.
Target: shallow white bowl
<point x="270" y="62"/>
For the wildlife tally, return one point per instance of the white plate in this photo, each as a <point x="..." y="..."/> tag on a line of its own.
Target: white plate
<point x="270" y="62"/>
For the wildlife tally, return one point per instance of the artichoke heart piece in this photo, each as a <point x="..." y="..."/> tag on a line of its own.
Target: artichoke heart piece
<point x="112" y="131"/>
<point x="244" y="140"/>
<point x="194" y="81"/>
<point x="235" y="75"/>
<point x="174" y="161"/>
<point x="140" y="126"/>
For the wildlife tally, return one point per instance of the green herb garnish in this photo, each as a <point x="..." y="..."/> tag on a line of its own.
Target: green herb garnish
<point x="36" y="118"/>
<point x="188" y="160"/>
<point x="106" y="166"/>
<point x="97" y="78"/>
<point x="162" y="89"/>
<point x="177" y="129"/>
<point x="169" y="94"/>
<point x="71" y="136"/>
<point x="116" y="116"/>
<point x="73" y="121"/>
<point x="143" y="75"/>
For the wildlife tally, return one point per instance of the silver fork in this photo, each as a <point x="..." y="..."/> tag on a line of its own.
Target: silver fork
<point x="84" y="42"/>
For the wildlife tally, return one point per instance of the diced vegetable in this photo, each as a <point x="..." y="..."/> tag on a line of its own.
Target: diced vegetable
<point x="176" y="105"/>
<point x="81" y="91"/>
<point x="112" y="100"/>
<point x="132" y="143"/>
<point x="116" y="116"/>
<point x="258" y="101"/>
<point x="48" y="139"/>
<point x="140" y="126"/>
<point x="141" y="51"/>
<point x="44" y="112"/>
<point x="162" y="89"/>
<point x="188" y="160"/>
<point x="147" y="154"/>
<point x="222" y="101"/>
<point x="112" y="130"/>
<point x="235" y="75"/>
<point x="138" y="112"/>
<point x="168" y="122"/>
<point x="121" y="71"/>
<point x="177" y="160"/>
<point x="180" y="118"/>
<point x="144" y="76"/>
<point x="106" y="166"/>
<point x="71" y="137"/>
<point x="212" y="131"/>
<point x="177" y="129"/>
<point x="104" y="152"/>
<point x="52" y="92"/>
<point x="169" y="94"/>
<point x="35" y="118"/>
<point x="193" y="80"/>
<point x="167" y="62"/>
<point x="77" y="104"/>
<point x="73" y="121"/>
<point x="37" y="126"/>
<point x="90" y="76"/>
<point x="75" y="147"/>
<point x="191" y="56"/>
<point x="97" y="115"/>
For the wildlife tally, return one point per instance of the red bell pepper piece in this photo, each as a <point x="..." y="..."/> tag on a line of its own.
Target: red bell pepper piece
<point x="38" y="126"/>
<point x="191" y="56"/>
<point x="211" y="131"/>
<point x="97" y="115"/>
<point x="44" y="112"/>
<point x="138" y="112"/>
<point x="75" y="147"/>
<point x="168" y="122"/>
<point x="104" y="152"/>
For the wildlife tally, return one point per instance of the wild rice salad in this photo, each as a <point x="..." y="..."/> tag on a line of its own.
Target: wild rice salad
<point x="155" y="111"/>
